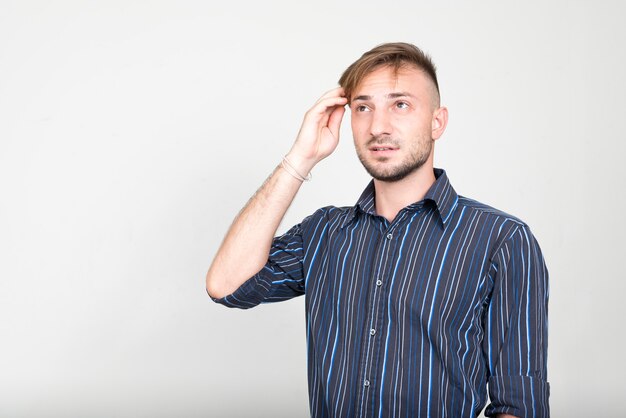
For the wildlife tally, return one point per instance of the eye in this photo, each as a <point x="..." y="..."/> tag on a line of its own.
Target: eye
<point x="402" y="105"/>
<point x="361" y="108"/>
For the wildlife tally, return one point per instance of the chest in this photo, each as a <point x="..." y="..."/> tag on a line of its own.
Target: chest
<point x="412" y="272"/>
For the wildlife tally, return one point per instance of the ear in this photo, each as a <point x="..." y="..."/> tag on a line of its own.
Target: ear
<point x="439" y="122"/>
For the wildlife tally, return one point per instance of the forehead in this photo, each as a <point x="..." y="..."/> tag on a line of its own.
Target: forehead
<point x="385" y="80"/>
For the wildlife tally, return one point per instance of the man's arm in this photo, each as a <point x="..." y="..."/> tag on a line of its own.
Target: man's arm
<point x="516" y="329"/>
<point x="246" y="247"/>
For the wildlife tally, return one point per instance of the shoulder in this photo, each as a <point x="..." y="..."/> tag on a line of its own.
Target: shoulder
<point x="501" y="224"/>
<point x="511" y="238"/>
<point x="329" y="214"/>
<point x="493" y="214"/>
<point x="327" y="218"/>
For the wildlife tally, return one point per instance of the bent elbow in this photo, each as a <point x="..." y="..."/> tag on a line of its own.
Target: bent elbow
<point x="214" y="289"/>
<point x="220" y="284"/>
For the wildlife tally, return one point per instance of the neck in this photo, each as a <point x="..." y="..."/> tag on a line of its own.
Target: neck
<point x="391" y="197"/>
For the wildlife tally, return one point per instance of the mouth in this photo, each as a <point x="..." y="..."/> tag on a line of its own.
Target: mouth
<point x="383" y="151"/>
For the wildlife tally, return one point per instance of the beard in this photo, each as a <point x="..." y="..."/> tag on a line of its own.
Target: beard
<point x="418" y="155"/>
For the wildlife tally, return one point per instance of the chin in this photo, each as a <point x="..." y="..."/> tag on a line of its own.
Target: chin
<point x="391" y="176"/>
<point x="394" y="174"/>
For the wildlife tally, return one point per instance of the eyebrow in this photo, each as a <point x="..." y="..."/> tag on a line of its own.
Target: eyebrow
<point x="394" y="95"/>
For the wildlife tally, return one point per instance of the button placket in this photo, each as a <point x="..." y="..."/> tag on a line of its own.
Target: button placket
<point x="376" y="314"/>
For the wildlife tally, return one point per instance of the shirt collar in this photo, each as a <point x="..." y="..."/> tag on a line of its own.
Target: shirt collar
<point x="441" y="194"/>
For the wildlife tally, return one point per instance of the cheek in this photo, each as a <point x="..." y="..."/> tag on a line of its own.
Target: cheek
<point x="416" y="129"/>
<point x="360" y="127"/>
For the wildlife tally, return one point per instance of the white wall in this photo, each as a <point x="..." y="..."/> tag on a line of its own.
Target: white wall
<point x="132" y="132"/>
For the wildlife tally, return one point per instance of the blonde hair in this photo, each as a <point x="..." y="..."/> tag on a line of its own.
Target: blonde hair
<point x="396" y="55"/>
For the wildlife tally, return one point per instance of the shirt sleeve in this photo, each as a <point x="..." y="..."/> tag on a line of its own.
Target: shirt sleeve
<point x="516" y="329"/>
<point x="280" y="279"/>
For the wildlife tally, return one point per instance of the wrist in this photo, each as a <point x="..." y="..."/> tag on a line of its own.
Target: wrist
<point x="300" y="164"/>
<point x="289" y="168"/>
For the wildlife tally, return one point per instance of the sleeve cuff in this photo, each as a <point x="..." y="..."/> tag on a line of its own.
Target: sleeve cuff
<point x="252" y="292"/>
<point x="522" y="396"/>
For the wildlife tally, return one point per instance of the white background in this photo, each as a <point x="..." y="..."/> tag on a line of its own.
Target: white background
<point x="132" y="132"/>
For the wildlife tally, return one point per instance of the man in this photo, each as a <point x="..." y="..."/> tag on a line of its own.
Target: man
<point x="417" y="299"/>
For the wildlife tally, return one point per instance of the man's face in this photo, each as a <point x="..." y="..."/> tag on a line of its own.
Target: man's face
<point x="392" y="124"/>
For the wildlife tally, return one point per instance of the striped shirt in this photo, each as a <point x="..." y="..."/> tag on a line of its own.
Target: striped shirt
<point x="415" y="317"/>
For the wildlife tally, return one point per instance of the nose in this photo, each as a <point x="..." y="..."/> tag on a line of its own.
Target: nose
<point x="380" y="123"/>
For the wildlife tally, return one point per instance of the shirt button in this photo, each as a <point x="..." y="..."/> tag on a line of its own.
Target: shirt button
<point x="379" y="282"/>
<point x="366" y="383"/>
<point x="372" y="331"/>
<point x="389" y="235"/>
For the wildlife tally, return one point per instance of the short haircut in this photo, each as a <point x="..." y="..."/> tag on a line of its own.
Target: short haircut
<point x="396" y="55"/>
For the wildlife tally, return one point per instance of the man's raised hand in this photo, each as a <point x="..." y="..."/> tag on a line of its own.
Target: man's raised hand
<point x="319" y="133"/>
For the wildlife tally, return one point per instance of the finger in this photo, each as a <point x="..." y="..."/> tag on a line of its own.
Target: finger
<point x="327" y="104"/>
<point x="336" y="92"/>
